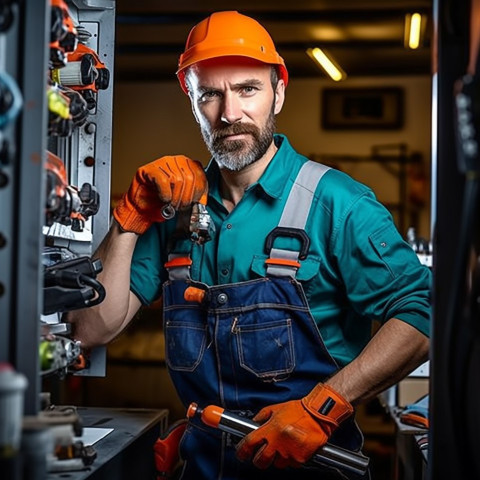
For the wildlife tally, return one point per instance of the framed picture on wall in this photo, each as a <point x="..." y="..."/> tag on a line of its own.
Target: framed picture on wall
<point x="362" y="108"/>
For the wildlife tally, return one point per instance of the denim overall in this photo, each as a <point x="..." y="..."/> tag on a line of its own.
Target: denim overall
<point x="248" y="345"/>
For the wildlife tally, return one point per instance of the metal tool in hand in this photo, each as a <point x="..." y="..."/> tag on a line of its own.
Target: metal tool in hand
<point x="201" y="227"/>
<point x="329" y="455"/>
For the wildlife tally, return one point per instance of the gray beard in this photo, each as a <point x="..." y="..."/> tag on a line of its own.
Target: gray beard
<point x="237" y="154"/>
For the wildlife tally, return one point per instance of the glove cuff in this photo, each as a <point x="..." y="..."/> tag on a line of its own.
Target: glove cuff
<point x="128" y="217"/>
<point x="327" y="405"/>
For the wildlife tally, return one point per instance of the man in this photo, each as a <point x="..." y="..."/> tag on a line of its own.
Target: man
<point x="272" y="317"/>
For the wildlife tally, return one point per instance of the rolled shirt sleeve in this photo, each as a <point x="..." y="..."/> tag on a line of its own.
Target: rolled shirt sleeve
<point x="382" y="275"/>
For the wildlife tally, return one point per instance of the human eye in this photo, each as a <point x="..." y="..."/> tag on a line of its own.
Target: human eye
<point x="249" y="90"/>
<point x="208" y="95"/>
<point x="249" y="87"/>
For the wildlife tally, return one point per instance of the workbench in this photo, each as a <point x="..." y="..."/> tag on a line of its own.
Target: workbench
<point x="127" y="451"/>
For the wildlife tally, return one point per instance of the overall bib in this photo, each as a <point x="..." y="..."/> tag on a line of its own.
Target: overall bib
<point x="248" y="345"/>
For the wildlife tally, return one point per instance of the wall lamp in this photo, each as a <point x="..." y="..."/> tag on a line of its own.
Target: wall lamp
<point x="413" y="30"/>
<point x="331" y="68"/>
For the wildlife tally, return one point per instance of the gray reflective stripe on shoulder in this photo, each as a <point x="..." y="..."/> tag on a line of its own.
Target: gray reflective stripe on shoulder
<point x="296" y="211"/>
<point x="297" y="208"/>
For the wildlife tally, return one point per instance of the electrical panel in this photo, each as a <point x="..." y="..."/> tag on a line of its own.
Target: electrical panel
<point x="83" y="147"/>
<point x="56" y="93"/>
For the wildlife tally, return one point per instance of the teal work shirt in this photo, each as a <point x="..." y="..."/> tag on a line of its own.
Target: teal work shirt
<point x="358" y="268"/>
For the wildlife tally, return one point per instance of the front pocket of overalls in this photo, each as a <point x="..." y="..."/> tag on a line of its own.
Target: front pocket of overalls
<point x="266" y="349"/>
<point x="185" y="344"/>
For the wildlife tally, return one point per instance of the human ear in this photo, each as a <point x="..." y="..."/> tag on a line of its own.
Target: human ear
<point x="279" y="96"/>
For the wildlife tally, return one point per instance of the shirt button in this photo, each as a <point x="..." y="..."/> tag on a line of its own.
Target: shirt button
<point x="222" y="298"/>
<point x="225" y="271"/>
<point x="383" y="244"/>
<point x="229" y="226"/>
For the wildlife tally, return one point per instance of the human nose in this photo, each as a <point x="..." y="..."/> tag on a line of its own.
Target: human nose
<point x="231" y="109"/>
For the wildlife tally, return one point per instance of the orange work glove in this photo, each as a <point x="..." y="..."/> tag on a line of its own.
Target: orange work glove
<point x="293" y="431"/>
<point x="175" y="180"/>
<point x="167" y="455"/>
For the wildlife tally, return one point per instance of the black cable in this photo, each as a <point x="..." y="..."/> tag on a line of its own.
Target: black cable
<point x="97" y="286"/>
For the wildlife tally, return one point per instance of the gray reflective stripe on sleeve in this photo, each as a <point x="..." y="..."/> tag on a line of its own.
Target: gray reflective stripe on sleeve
<point x="296" y="211"/>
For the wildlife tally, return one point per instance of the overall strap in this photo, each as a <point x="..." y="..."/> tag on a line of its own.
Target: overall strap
<point x="179" y="255"/>
<point x="178" y="266"/>
<point x="292" y="223"/>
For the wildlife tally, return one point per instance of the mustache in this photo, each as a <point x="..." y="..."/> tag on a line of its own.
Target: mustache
<point x="234" y="129"/>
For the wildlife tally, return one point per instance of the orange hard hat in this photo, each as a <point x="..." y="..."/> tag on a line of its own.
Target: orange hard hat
<point x="226" y="34"/>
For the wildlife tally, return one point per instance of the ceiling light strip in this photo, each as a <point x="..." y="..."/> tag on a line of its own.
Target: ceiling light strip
<point x="413" y="25"/>
<point x="327" y="64"/>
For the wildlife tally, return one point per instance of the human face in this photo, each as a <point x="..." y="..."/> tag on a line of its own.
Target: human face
<point x="235" y="105"/>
